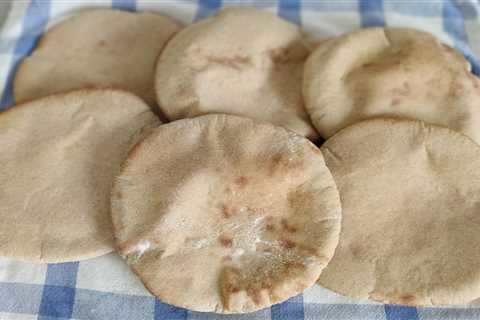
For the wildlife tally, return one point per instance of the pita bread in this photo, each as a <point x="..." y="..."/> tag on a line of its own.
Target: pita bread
<point x="390" y="72"/>
<point x="221" y="213"/>
<point x="410" y="195"/>
<point x="225" y="65"/>
<point x="58" y="157"/>
<point x="96" y="48"/>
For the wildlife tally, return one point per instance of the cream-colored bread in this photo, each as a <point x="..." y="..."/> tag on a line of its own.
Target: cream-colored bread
<point x="58" y="157"/>
<point x="242" y="61"/>
<point x="225" y="214"/>
<point x="390" y="72"/>
<point x="96" y="48"/>
<point x="410" y="196"/>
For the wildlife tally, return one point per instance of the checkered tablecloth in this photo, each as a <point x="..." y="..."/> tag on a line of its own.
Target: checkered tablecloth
<point x="104" y="288"/>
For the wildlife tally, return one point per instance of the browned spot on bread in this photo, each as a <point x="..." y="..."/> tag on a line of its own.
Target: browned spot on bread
<point x="279" y="55"/>
<point x="398" y="297"/>
<point x="395" y="101"/>
<point x="402" y="91"/>
<point x="225" y="241"/>
<point x="102" y="43"/>
<point x="270" y="227"/>
<point x="182" y="91"/>
<point x="287" y="244"/>
<point x="294" y="265"/>
<point x="288" y="227"/>
<point x="296" y="199"/>
<point x="226" y="258"/>
<point x="235" y="271"/>
<point x="255" y="294"/>
<point x="257" y="281"/>
<point x="283" y="163"/>
<point x="308" y="250"/>
<point x="123" y="247"/>
<point x="241" y="181"/>
<point x="408" y="299"/>
<point x="357" y="251"/>
<point x="235" y="62"/>
<point x="227" y="211"/>
<point x="230" y="285"/>
<point x="228" y="282"/>
<point x="254" y="209"/>
<point x="234" y="289"/>
<point x="276" y="159"/>
<point x="267" y="284"/>
<point x="265" y="248"/>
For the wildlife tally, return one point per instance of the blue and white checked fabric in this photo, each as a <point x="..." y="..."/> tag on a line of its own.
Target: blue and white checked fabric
<point x="104" y="288"/>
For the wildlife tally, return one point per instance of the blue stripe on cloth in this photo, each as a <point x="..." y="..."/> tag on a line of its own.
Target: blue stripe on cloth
<point x="290" y="309"/>
<point x="59" y="291"/>
<point x="414" y="8"/>
<point x="20" y="298"/>
<point x="394" y="312"/>
<point x="207" y="8"/>
<point x="166" y="311"/>
<point x="454" y="25"/>
<point x="449" y="313"/>
<point x="92" y="304"/>
<point x="128" y="5"/>
<point x="259" y="4"/>
<point x="337" y="311"/>
<point x="330" y="6"/>
<point x="469" y="10"/>
<point x="290" y="10"/>
<point x="56" y="302"/>
<point x="33" y="24"/>
<point x="62" y="274"/>
<point x="371" y="13"/>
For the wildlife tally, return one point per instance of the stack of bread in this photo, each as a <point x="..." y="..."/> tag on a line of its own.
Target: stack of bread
<point x="196" y="152"/>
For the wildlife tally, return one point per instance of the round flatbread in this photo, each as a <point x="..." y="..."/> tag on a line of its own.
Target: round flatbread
<point x="58" y="158"/>
<point x="390" y="72"/>
<point x="96" y="48"/>
<point x="225" y="65"/>
<point x="225" y="214"/>
<point x="410" y="196"/>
